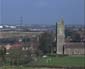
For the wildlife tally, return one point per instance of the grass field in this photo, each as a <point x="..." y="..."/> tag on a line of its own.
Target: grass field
<point x="78" y="61"/>
<point x="62" y="61"/>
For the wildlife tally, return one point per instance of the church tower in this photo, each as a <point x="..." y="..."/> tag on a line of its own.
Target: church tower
<point x="60" y="36"/>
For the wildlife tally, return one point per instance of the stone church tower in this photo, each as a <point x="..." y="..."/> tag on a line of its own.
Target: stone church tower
<point x="60" y="37"/>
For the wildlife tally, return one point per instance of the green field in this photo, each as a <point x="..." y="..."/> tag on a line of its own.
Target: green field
<point x="66" y="61"/>
<point x="62" y="61"/>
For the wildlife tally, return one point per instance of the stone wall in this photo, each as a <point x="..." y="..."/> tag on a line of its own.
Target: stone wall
<point x="60" y="37"/>
<point x="74" y="51"/>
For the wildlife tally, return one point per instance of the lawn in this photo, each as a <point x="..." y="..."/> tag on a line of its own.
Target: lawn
<point x="76" y="61"/>
<point x="62" y="61"/>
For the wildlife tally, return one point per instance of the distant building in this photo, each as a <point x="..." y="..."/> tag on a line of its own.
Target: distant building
<point x="74" y="48"/>
<point x="1" y="27"/>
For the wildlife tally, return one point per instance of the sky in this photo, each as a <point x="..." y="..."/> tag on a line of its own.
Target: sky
<point x="41" y="11"/>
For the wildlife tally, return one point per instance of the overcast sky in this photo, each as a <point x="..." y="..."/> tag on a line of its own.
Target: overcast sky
<point x="41" y="11"/>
